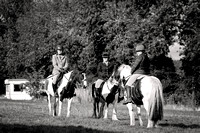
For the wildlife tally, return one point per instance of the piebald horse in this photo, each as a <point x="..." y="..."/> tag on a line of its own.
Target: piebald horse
<point x="152" y="97"/>
<point x="66" y="89"/>
<point x="105" y="95"/>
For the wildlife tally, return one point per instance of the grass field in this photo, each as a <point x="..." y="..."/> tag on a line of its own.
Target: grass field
<point x="32" y="116"/>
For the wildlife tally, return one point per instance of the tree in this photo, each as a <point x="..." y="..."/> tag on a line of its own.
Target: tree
<point x="189" y="30"/>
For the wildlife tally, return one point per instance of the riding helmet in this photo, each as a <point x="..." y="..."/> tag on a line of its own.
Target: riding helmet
<point x="105" y="55"/>
<point x="140" y="47"/>
<point x="59" y="47"/>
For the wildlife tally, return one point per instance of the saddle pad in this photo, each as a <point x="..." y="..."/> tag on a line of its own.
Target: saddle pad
<point x="98" y="83"/>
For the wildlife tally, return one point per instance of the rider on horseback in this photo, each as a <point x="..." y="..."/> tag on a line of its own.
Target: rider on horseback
<point x="102" y="70"/>
<point x="140" y="67"/>
<point x="60" y="66"/>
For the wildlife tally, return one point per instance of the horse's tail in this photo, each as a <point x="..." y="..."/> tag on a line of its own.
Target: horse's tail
<point x="156" y="101"/>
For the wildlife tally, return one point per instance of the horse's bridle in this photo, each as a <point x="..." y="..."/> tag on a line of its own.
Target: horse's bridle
<point x="72" y="79"/>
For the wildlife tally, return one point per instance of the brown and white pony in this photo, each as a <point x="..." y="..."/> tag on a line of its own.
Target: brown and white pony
<point x="105" y="94"/>
<point x="66" y="89"/>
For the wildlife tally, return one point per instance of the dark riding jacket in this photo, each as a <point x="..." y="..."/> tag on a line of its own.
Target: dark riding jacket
<point x="104" y="72"/>
<point x="141" y="65"/>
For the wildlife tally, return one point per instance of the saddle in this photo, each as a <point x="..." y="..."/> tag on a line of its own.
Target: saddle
<point x="136" y="94"/>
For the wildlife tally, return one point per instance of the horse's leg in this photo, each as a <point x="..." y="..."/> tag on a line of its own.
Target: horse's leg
<point x="69" y="106"/>
<point x="94" y="108"/>
<point x="131" y="114"/>
<point x="139" y="115"/>
<point x="114" y="112"/>
<point x="59" y="107"/>
<point x="49" y="103"/>
<point x="106" y="111"/>
<point x="101" y="109"/>
<point x="146" y="106"/>
<point x="97" y="109"/>
<point x="150" y="123"/>
<point x="55" y="104"/>
<point x="155" y="124"/>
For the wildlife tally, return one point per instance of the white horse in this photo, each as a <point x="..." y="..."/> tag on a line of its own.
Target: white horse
<point x="66" y="89"/>
<point x="105" y="94"/>
<point x="152" y="93"/>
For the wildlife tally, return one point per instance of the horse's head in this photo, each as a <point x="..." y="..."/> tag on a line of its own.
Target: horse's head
<point x="124" y="71"/>
<point x="116" y="75"/>
<point x="113" y="80"/>
<point x="79" y="79"/>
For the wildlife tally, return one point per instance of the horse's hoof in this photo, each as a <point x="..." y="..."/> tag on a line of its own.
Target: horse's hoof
<point x="157" y="126"/>
<point x="115" y="119"/>
<point x="141" y="124"/>
<point x="94" y="116"/>
<point x="99" y="117"/>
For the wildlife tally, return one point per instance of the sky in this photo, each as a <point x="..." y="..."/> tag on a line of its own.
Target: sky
<point x="175" y="50"/>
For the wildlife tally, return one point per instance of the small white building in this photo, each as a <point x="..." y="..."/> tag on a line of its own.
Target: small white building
<point x="13" y="90"/>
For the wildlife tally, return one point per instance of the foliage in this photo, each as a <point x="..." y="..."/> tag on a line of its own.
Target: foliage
<point x="189" y="36"/>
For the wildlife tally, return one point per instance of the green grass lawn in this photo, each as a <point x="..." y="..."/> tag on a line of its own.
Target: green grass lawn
<point x="32" y="116"/>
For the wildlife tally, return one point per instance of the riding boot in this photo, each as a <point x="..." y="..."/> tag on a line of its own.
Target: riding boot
<point x="121" y="94"/>
<point x="55" y="90"/>
<point x="128" y="90"/>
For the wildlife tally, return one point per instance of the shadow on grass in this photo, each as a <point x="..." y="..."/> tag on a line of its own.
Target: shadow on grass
<point x="17" y="128"/>
<point x="180" y="125"/>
